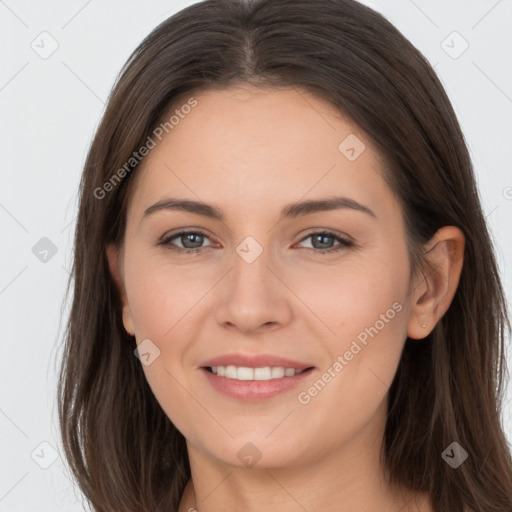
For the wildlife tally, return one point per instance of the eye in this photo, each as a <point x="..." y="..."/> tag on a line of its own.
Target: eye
<point x="191" y="241"/>
<point x="323" y="241"/>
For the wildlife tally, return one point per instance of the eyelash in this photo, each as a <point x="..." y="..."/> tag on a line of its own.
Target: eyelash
<point x="343" y="242"/>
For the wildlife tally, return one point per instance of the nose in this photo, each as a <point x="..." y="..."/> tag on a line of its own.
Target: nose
<point x="253" y="297"/>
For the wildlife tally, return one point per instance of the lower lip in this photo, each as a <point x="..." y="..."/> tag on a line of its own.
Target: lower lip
<point x="254" y="390"/>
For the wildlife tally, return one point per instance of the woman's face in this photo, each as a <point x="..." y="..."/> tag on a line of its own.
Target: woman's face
<point x="259" y="282"/>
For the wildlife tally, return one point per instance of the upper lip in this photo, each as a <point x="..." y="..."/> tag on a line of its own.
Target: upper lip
<point x="254" y="361"/>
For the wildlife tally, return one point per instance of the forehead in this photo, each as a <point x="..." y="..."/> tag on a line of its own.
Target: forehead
<point x="259" y="145"/>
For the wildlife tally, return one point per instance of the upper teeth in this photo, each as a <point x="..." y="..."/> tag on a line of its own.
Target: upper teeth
<point x="244" y="373"/>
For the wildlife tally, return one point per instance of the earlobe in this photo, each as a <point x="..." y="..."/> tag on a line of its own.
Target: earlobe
<point x="113" y="258"/>
<point x="436" y="286"/>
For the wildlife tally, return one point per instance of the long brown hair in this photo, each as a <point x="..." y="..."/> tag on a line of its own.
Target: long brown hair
<point x="123" y="450"/>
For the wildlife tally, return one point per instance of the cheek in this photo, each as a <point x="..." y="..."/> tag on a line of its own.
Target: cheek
<point x="364" y="308"/>
<point x="367" y="310"/>
<point x="350" y="393"/>
<point x="165" y="306"/>
<point x="163" y="296"/>
<point x="350" y="298"/>
<point x="168" y="305"/>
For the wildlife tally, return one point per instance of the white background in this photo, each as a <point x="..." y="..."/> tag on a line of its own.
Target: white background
<point x="49" y="109"/>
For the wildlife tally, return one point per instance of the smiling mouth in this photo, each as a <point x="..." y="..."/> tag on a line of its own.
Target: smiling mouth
<point x="243" y="373"/>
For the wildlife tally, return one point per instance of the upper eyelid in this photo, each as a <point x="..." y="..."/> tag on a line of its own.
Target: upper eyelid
<point x="175" y="236"/>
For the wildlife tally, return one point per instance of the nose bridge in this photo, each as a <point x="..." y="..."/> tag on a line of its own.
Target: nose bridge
<point x="250" y="264"/>
<point x="253" y="296"/>
<point x="251" y="276"/>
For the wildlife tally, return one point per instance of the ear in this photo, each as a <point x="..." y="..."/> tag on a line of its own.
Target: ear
<point x="436" y="285"/>
<point x="114" y="258"/>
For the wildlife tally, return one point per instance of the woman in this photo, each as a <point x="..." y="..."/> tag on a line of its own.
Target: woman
<point x="285" y="294"/>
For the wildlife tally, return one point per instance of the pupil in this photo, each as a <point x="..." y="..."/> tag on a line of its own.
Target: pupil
<point x="188" y="237"/>
<point x="322" y="237"/>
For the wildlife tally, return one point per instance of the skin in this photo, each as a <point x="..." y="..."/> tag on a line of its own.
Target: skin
<point x="249" y="152"/>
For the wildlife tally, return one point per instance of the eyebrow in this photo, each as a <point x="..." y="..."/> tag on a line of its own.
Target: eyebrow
<point x="291" y="210"/>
